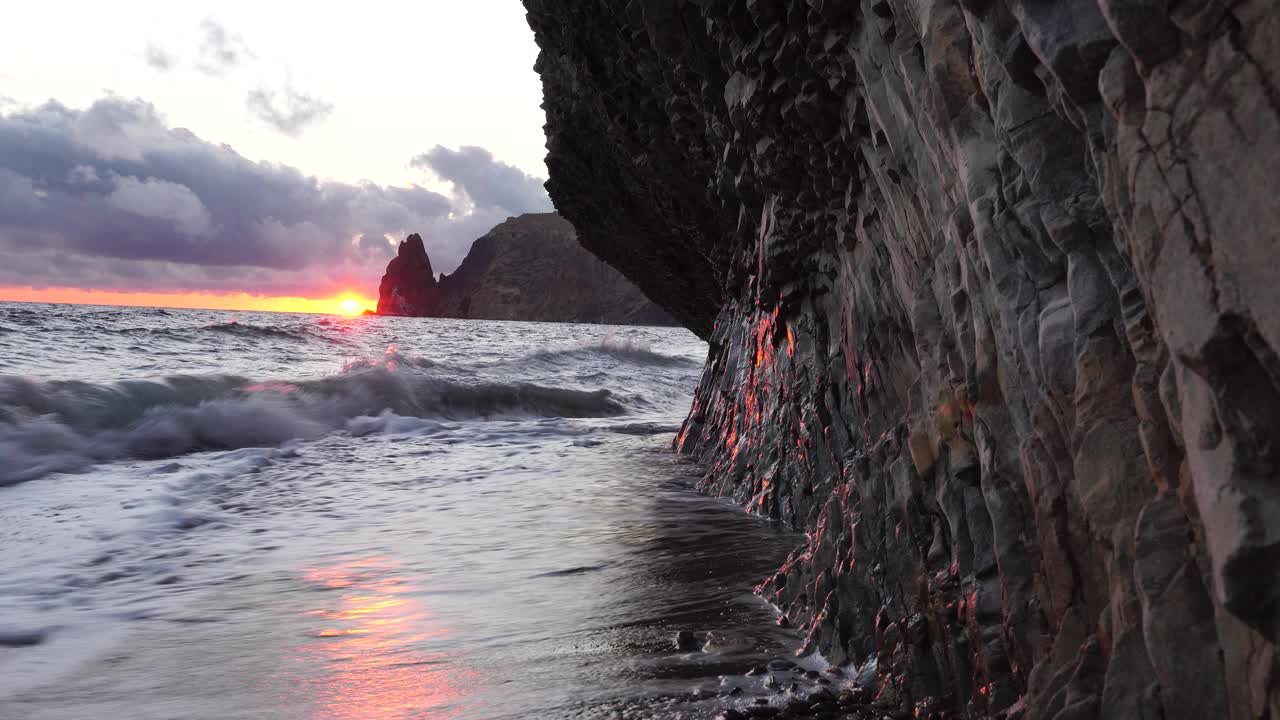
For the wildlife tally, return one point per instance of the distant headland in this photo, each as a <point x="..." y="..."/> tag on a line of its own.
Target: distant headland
<point x="529" y="267"/>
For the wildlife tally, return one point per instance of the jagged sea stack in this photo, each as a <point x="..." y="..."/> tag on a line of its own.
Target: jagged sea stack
<point x="409" y="286"/>
<point x="994" y="311"/>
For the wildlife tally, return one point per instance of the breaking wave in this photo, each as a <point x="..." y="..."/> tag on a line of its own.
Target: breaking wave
<point x="68" y="426"/>
<point x="633" y="351"/>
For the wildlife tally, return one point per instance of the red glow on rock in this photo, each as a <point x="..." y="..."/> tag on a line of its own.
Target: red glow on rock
<point x="763" y="329"/>
<point x="684" y="435"/>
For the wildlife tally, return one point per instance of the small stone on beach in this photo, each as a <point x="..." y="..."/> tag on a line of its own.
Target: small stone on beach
<point x="685" y="641"/>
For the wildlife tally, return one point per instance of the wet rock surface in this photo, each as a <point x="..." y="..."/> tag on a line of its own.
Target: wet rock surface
<point x="798" y="696"/>
<point x="992" y="300"/>
<point x="530" y="267"/>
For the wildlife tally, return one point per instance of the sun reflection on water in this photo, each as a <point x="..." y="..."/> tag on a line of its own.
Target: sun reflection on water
<point x="370" y="654"/>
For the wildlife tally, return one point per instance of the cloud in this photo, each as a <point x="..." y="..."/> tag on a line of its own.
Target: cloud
<point x="159" y="58"/>
<point x="288" y="111"/>
<point x="111" y="197"/>
<point x="158" y="199"/>
<point x="220" y="50"/>
<point x="487" y="183"/>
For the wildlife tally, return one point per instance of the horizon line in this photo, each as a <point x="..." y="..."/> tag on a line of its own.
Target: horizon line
<point x="337" y="304"/>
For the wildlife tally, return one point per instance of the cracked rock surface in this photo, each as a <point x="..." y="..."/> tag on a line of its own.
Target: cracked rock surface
<point x="992" y="294"/>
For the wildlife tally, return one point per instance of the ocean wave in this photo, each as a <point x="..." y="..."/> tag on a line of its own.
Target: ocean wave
<point x="391" y="360"/>
<point x="68" y="426"/>
<point x="633" y="351"/>
<point x="233" y="327"/>
<point x="647" y="428"/>
<point x="22" y="316"/>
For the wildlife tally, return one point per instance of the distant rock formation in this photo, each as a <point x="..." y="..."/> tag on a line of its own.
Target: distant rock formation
<point x="529" y="267"/>
<point x="409" y="283"/>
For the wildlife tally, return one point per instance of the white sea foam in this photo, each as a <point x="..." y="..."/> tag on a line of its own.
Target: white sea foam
<point x="631" y="350"/>
<point x="48" y="427"/>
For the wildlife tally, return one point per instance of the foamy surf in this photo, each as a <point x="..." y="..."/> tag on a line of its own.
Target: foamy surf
<point x="635" y="351"/>
<point x="48" y="427"/>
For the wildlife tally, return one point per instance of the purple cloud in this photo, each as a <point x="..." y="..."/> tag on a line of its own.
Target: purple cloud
<point x="487" y="183"/>
<point x="112" y="197"/>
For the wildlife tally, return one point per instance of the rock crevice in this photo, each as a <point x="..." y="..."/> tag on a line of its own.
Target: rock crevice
<point x="994" y="316"/>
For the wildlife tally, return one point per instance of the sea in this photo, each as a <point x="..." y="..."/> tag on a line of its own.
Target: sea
<point x="217" y="515"/>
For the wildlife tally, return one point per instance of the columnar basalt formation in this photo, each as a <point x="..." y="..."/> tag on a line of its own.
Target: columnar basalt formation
<point x="992" y="294"/>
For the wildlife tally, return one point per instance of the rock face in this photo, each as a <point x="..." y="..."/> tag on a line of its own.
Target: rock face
<point x="994" y="314"/>
<point x="408" y="283"/>
<point x="528" y="268"/>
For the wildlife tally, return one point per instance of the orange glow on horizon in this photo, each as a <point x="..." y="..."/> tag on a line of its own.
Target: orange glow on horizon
<point x="347" y="303"/>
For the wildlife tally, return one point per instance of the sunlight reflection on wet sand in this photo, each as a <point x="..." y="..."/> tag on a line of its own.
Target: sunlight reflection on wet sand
<point x="370" y="654"/>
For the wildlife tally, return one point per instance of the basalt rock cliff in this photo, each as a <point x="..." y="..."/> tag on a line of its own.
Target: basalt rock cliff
<point x="994" y="311"/>
<point x="530" y="267"/>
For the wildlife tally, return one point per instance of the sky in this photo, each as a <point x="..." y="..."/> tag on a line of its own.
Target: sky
<point x="261" y="150"/>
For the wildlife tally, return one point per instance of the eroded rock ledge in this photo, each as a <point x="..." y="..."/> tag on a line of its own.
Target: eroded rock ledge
<point x="992" y="295"/>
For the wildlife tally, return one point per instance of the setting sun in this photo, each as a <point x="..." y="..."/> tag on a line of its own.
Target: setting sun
<point x="350" y="306"/>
